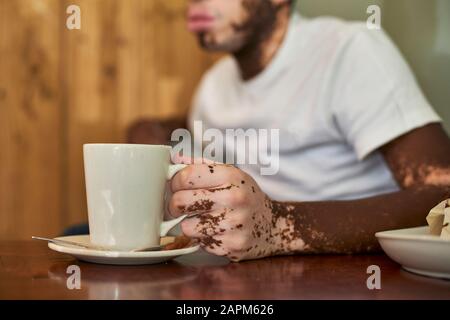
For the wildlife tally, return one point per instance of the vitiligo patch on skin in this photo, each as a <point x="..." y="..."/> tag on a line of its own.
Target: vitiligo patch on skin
<point x="437" y="176"/>
<point x="284" y="219"/>
<point x="209" y="241"/>
<point x="208" y="226"/>
<point x="204" y="205"/>
<point x="298" y="234"/>
<point x="424" y="175"/>
<point x="415" y="163"/>
<point x="212" y="190"/>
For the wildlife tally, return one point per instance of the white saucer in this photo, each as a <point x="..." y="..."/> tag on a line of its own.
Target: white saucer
<point x="118" y="257"/>
<point x="417" y="251"/>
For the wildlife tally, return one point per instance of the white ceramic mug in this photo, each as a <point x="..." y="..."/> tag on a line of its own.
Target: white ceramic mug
<point x="125" y="186"/>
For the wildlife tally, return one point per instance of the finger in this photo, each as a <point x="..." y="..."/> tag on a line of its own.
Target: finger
<point x="215" y="246"/>
<point x="206" y="225"/>
<point x="202" y="200"/>
<point x="190" y="202"/>
<point x="203" y="176"/>
<point x="219" y="247"/>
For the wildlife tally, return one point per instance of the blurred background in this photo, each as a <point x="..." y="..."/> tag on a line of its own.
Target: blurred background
<point x="134" y="60"/>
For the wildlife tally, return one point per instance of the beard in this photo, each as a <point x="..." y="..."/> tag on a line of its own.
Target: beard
<point x="257" y="27"/>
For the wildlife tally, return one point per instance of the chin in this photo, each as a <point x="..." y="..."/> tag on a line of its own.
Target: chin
<point x="209" y="42"/>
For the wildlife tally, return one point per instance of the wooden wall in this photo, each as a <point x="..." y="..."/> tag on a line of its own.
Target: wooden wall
<point x="61" y="88"/>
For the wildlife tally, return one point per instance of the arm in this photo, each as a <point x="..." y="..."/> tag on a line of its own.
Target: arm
<point x="419" y="161"/>
<point x="240" y="222"/>
<point x="350" y="226"/>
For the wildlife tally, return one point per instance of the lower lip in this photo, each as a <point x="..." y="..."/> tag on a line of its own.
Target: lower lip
<point x="197" y="25"/>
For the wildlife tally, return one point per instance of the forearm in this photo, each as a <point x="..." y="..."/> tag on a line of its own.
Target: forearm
<point x="349" y="226"/>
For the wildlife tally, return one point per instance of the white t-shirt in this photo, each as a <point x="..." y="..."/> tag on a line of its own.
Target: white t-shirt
<point x="338" y="92"/>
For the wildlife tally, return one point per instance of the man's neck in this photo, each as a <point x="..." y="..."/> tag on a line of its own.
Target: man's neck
<point x="255" y="57"/>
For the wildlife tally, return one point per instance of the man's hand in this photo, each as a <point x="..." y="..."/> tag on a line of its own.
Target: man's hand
<point x="235" y="217"/>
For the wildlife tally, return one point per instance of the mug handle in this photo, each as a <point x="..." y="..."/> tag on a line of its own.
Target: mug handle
<point x="167" y="225"/>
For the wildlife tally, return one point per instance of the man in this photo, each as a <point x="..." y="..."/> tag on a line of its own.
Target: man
<point x="361" y="150"/>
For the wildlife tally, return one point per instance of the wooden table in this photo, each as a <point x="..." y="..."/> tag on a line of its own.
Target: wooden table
<point x="29" y="270"/>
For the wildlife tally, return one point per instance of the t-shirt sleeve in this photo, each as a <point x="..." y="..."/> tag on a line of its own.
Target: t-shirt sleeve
<point x="377" y="98"/>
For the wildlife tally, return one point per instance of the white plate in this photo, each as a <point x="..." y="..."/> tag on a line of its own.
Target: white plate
<point x="118" y="257"/>
<point x="417" y="251"/>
